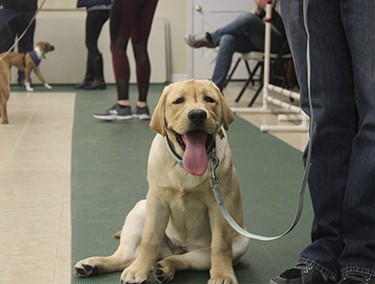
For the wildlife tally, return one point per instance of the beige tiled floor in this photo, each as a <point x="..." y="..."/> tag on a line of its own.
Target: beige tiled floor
<point x="35" y="151"/>
<point x="35" y="188"/>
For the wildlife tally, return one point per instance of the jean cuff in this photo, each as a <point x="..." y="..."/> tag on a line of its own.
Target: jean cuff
<point x="325" y="271"/>
<point x="358" y="269"/>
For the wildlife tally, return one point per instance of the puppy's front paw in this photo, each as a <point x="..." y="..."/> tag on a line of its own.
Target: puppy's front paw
<point x="227" y="278"/>
<point x="85" y="269"/>
<point x="48" y="86"/>
<point x="130" y="275"/>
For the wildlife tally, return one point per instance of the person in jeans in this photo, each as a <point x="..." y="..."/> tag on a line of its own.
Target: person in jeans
<point x="130" y="19"/>
<point x="97" y="14"/>
<point x="15" y="16"/>
<point x="342" y="173"/>
<point x="246" y="33"/>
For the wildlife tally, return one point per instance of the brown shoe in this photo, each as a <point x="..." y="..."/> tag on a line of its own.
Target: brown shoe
<point x="197" y="41"/>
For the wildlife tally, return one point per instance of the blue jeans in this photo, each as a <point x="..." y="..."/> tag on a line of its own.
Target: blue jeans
<point x="244" y="34"/>
<point x="342" y="175"/>
<point x="13" y="23"/>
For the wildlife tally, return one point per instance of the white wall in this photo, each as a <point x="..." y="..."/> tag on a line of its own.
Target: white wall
<point x="175" y="11"/>
<point x="67" y="63"/>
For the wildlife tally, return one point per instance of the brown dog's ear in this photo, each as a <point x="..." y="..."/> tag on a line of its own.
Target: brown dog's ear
<point x="157" y="122"/>
<point x="228" y="116"/>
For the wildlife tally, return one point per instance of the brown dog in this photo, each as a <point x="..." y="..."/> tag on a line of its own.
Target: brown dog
<point x="4" y="90"/>
<point x="179" y="225"/>
<point x="29" y="61"/>
<point x="25" y="62"/>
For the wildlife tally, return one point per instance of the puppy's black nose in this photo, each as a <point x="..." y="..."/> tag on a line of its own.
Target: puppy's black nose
<point x="197" y="116"/>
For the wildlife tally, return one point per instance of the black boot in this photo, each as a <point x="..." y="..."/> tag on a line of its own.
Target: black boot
<point x="89" y="77"/>
<point x="98" y="82"/>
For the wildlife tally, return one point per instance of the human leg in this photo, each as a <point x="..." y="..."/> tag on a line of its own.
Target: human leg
<point x="246" y="25"/>
<point x="26" y="43"/>
<point x="332" y="94"/>
<point x="141" y="33"/>
<point x="94" y="24"/>
<point x="229" y="44"/>
<point x="231" y="38"/>
<point x="358" y="220"/>
<point x="251" y="27"/>
<point x="121" y="26"/>
<point x="7" y="28"/>
<point x="89" y="75"/>
<point x="139" y="39"/>
<point x="246" y="33"/>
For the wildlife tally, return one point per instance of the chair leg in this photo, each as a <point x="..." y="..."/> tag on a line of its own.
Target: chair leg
<point x="232" y="72"/>
<point x="272" y="68"/>
<point x="255" y="96"/>
<point x="249" y="70"/>
<point x="260" y="88"/>
<point x="248" y="82"/>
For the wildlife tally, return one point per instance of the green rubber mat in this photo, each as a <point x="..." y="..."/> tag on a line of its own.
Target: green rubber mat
<point x="109" y="177"/>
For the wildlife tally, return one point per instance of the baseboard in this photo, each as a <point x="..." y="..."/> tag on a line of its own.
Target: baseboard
<point x="179" y="77"/>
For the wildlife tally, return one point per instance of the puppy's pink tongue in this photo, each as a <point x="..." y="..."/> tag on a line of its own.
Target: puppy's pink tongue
<point x="195" y="157"/>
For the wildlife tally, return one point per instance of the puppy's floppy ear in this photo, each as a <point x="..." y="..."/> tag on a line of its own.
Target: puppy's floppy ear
<point x="228" y="116"/>
<point x="157" y="122"/>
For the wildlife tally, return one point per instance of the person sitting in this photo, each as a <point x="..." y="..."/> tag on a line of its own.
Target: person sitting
<point x="246" y="33"/>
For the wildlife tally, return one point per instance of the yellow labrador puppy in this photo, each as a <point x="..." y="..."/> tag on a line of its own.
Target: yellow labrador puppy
<point x="179" y="225"/>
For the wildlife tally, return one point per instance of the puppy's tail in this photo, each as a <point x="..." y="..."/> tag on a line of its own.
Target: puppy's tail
<point x="117" y="235"/>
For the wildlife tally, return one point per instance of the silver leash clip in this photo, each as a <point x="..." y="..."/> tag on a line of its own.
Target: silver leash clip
<point x="214" y="164"/>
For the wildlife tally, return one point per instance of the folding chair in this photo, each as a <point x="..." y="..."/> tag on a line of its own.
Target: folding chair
<point x="278" y="70"/>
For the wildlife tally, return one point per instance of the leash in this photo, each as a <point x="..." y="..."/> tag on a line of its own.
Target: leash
<point x="215" y="184"/>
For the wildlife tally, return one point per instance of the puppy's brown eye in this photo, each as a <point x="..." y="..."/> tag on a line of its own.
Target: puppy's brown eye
<point x="208" y="99"/>
<point x="179" y="101"/>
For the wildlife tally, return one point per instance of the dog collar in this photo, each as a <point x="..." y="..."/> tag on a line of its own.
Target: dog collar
<point x="172" y="152"/>
<point x="177" y="157"/>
